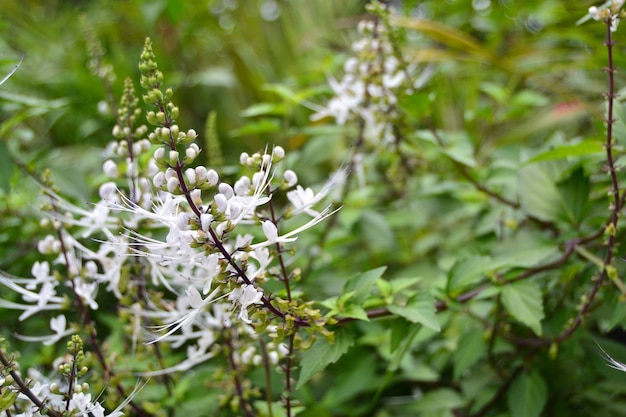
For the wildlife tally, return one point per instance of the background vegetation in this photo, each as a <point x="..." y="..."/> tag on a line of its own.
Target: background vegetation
<point x="490" y="208"/>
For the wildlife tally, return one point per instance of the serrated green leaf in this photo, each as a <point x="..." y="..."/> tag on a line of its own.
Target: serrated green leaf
<point x="526" y="249"/>
<point x="355" y="312"/>
<point x="322" y="354"/>
<point x="575" y="196"/>
<point x="471" y="348"/>
<point x="527" y="395"/>
<point x="361" y="284"/>
<point x="538" y="192"/>
<point x="418" y="309"/>
<point x="587" y="147"/>
<point x="469" y="271"/>
<point x="523" y="301"/>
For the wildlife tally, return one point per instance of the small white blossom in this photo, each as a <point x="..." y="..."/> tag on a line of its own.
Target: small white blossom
<point x="245" y="296"/>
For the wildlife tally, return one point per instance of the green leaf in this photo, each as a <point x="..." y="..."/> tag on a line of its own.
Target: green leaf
<point x="459" y="148"/>
<point x="6" y="168"/>
<point x="539" y="194"/>
<point x="524" y="301"/>
<point x="373" y="228"/>
<point x="575" y="196"/>
<point x="264" y="109"/>
<point x="420" y="308"/>
<point x="362" y="284"/>
<point x="354" y="311"/>
<point x="7" y="399"/>
<point x="322" y="354"/>
<point x="619" y="314"/>
<point x="399" y="330"/>
<point x="257" y="128"/>
<point x="471" y="348"/>
<point x="527" y="395"/>
<point x="438" y="399"/>
<point x="526" y="249"/>
<point x="469" y="271"/>
<point x="588" y="147"/>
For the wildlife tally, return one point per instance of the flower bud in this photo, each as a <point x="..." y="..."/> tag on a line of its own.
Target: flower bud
<point x="110" y="168"/>
<point x="172" y="184"/>
<point x="170" y="173"/>
<point x="173" y="158"/>
<point x="221" y="202"/>
<point x="226" y="189"/>
<point x="290" y="178"/>
<point x="196" y="196"/>
<point x="205" y="221"/>
<point x="212" y="177"/>
<point x="201" y="173"/>
<point x="278" y="153"/>
<point x="159" y="154"/>
<point x="158" y="180"/>
<point x="190" y="173"/>
<point x="151" y="118"/>
<point x="265" y="162"/>
<point x="242" y="186"/>
<point x="108" y="191"/>
<point x="191" y="135"/>
<point x="243" y="158"/>
<point x="191" y="153"/>
<point x="137" y="148"/>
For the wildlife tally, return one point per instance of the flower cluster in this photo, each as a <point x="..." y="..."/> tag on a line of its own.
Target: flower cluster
<point x="609" y="11"/>
<point x="57" y="394"/>
<point x="369" y="90"/>
<point x="184" y="251"/>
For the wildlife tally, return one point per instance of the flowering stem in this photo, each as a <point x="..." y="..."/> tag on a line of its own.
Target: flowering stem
<point x="24" y="389"/>
<point x="91" y="327"/>
<point x="611" y="228"/>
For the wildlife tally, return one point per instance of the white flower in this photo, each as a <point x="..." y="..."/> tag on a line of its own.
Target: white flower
<point x="245" y="296"/>
<point x="58" y="325"/>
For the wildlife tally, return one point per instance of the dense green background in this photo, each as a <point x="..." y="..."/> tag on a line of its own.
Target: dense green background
<point x="514" y="80"/>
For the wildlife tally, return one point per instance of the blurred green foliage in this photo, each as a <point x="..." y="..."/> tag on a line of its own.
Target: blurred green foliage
<point x="515" y="105"/>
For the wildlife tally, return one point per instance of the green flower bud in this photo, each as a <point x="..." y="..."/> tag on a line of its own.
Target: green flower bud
<point x="151" y="118"/>
<point x="161" y="117"/>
